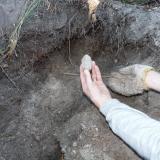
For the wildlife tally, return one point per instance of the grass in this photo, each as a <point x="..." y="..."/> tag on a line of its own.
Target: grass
<point x="13" y="39"/>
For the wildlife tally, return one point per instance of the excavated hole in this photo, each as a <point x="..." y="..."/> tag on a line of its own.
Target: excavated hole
<point x="55" y="108"/>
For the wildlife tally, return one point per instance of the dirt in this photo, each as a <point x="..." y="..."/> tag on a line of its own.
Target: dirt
<point x="43" y="112"/>
<point x="50" y="118"/>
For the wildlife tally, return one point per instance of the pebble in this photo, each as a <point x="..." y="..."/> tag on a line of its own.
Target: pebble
<point x="86" y="62"/>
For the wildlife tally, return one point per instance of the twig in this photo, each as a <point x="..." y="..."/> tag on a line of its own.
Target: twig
<point x="71" y="74"/>
<point x="77" y="74"/>
<point x="69" y="41"/>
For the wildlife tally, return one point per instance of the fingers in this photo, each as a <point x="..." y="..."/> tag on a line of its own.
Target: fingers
<point x="83" y="80"/>
<point x="88" y="79"/>
<point x="93" y="71"/>
<point x="98" y="73"/>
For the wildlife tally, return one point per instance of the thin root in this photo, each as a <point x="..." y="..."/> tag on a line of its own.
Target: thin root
<point x="14" y="84"/>
<point x="78" y="74"/>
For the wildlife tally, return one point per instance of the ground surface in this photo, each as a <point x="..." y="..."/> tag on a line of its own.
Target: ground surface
<point x="50" y="118"/>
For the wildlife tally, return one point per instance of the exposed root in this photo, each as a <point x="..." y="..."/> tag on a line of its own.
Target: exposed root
<point x="78" y="74"/>
<point x="69" y="37"/>
<point x="14" y="84"/>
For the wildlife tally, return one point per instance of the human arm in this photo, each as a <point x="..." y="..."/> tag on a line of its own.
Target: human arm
<point x="93" y="86"/>
<point x="137" y="129"/>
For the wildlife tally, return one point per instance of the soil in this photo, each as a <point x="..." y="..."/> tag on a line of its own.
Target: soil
<point x="43" y="112"/>
<point x="46" y="116"/>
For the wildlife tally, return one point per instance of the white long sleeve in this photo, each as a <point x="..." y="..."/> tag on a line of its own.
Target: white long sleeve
<point x="138" y="130"/>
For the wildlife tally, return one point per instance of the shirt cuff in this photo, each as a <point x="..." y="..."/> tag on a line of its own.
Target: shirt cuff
<point x="104" y="109"/>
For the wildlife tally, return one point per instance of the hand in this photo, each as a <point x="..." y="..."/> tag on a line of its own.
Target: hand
<point x="152" y="80"/>
<point x="93" y="85"/>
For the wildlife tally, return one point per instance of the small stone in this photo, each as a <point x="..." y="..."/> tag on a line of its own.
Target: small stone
<point x="87" y="62"/>
<point x="74" y="144"/>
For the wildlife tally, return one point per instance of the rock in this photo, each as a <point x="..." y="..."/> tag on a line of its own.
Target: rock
<point x="129" y="24"/>
<point x="87" y="62"/>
